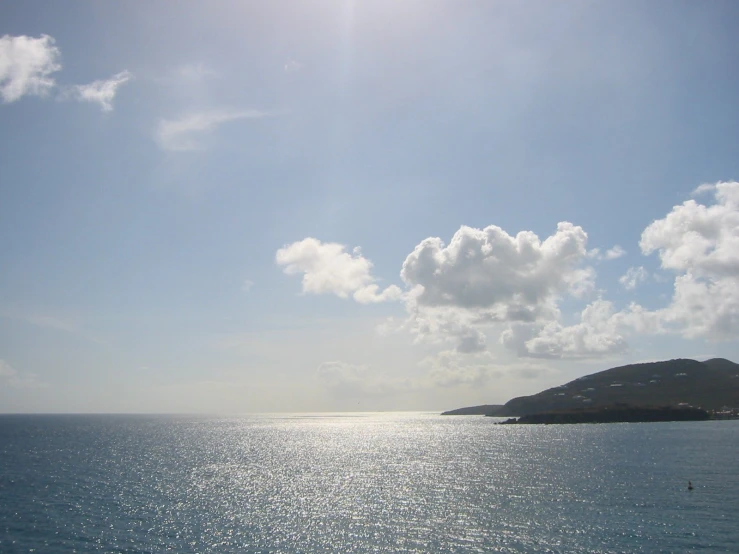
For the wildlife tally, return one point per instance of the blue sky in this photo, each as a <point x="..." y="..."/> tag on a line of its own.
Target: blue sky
<point x="360" y="205"/>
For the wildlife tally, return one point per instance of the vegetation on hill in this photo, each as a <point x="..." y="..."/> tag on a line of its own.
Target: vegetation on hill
<point x="710" y="385"/>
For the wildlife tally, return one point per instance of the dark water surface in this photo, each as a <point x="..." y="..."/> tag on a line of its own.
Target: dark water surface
<point x="364" y="483"/>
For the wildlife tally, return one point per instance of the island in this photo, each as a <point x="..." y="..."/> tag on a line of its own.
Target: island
<point x="712" y="385"/>
<point x="618" y="413"/>
<point x="486" y="409"/>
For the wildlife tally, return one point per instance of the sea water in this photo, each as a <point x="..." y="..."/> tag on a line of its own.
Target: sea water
<point x="364" y="483"/>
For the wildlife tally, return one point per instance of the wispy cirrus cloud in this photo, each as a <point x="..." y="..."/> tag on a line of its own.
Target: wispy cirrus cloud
<point x="351" y="380"/>
<point x="11" y="377"/>
<point x="632" y="277"/>
<point x="185" y="133"/>
<point x="26" y="65"/>
<point x="293" y="66"/>
<point x="195" y="71"/>
<point x="100" y="92"/>
<point x="46" y="321"/>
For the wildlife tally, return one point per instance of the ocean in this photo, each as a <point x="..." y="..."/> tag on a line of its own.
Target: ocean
<point x="356" y="483"/>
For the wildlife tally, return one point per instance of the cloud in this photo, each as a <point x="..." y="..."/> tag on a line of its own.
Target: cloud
<point x="610" y="254"/>
<point x="470" y="340"/>
<point x="328" y="269"/>
<point x="458" y="293"/>
<point x="247" y="285"/>
<point x="185" y="133"/>
<point x="601" y="332"/>
<point x="632" y="277"/>
<point x="292" y="66"/>
<point x="486" y="276"/>
<point x="51" y="322"/>
<point x="704" y="188"/>
<point x="26" y="65"/>
<point x="7" y="371"/>
<point x="597" y="335"/>
<point x="700" y="244"/>
<point x="194" y="72"/>
<point x="698" y="239"/>
<point x="350" y="380"/>
<point x="703" y="308"/>
<point x="443" y="324"/>
<point x="101" y="92"/>
<point x="510" y="278"/>
<point x="450" y="369"/>
<point x="615" y="252"/>
<point x="13" y="378"/>
<point x="64" y="324"/>
<point x="638" y="319"/>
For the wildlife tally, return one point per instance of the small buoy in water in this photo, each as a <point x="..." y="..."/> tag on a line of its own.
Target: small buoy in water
<point x="690" y="486"/>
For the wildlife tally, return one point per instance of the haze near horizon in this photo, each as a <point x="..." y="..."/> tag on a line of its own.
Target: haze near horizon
<point x="358" y="206"/>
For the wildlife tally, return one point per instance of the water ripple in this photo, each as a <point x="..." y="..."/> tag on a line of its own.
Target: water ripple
<point x="370" y="483"/>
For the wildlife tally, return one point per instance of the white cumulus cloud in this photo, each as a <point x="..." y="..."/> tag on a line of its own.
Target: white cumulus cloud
<point x="26" y="66"/>
<point x="699" y="239"/>
<point x="511" y="278"/>
<point x="700" y="244"/>
<point x="486" y="275"/>
<point x="459" y="293"/>
<point x="597" y="335"/>
<point x="703" y="308"/>
<point x="101" y="92"/>
<point x="443" y="324"/>
<point x="327" y="268"/>
<point x="186" y="132"/>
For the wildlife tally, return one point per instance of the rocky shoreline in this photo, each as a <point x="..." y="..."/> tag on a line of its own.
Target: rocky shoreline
<point x="614" y="414"/>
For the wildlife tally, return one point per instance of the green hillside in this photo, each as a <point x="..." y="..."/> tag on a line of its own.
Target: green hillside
<point x="710" y="385"/>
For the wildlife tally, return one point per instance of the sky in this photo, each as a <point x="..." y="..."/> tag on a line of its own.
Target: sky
<point x="233" y="207"/>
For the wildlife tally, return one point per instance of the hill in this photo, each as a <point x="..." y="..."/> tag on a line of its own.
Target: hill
<point x="710" y="385"/>
<point x="475" y="410"/>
